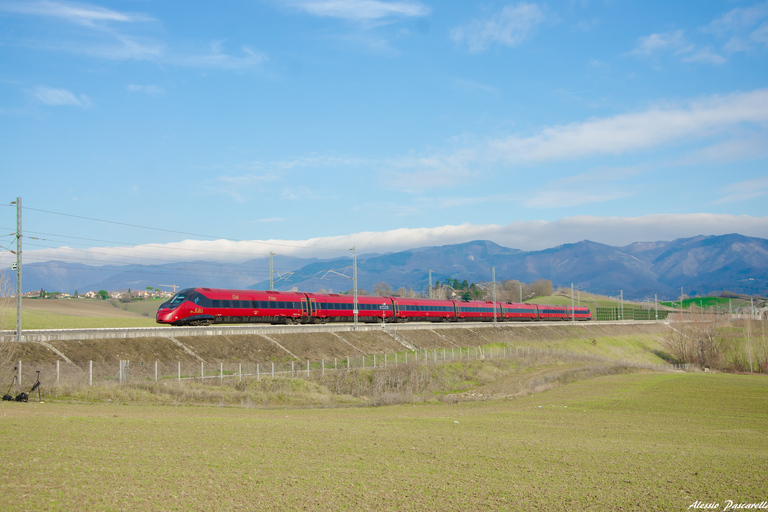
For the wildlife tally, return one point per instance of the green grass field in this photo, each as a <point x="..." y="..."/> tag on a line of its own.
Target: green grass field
<point x="46" y="320"/>
<point x="79" y="314"/>
<point x="620" y="442"/>
<point x="710" y="302"/>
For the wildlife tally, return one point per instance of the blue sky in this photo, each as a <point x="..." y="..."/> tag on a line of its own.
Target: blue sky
<point x="309" y="126"/>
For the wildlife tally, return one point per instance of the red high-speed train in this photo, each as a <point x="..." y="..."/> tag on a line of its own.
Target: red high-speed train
<point x="205" y="306"/>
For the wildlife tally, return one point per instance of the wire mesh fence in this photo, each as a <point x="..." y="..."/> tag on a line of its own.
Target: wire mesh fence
<point x="23" y="375"/>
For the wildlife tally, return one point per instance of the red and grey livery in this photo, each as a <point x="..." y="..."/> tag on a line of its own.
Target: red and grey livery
<point x="206" y="306"/>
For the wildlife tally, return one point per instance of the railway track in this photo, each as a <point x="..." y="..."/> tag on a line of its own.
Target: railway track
<point x="45" y="335"/>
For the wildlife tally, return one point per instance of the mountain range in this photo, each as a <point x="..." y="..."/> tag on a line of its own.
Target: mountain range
<point x="701" y="265"/>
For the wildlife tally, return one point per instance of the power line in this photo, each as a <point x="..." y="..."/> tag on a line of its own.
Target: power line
<point x="212" y="237"/>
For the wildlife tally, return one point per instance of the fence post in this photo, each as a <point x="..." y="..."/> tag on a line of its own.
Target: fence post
<point x="322" y="365"/>
<point x="307" y="368"/>
<point x="202" y="371"/>
<point x="19" y="379"/>
<point x="221" y="371"/>
<point x="257" y="371"/>
<point x="179" y="371"/>
<point x="90" y="373"/>
<point x="57" y="372"/>
<point x="155" y="371"/>
<point x="240" y="371"/>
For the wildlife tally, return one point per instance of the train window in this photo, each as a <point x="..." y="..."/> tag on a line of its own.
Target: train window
<point x="216" y="303"/>
<point x="225" y="304"/>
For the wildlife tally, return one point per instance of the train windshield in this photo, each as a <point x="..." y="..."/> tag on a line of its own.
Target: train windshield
<point x="179" y="298"/>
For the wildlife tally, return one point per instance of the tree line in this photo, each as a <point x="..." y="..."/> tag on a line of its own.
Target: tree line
<point x="510" y="290"/>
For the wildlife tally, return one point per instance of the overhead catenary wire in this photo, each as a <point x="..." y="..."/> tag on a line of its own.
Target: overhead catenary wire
<point x="96" y="257"/>
<point x="211" y="237"/>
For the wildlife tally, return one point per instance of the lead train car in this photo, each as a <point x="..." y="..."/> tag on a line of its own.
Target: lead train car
<point x="204" y="306"/>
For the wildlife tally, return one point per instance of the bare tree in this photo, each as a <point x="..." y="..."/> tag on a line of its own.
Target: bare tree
<point x="696" y="341"/>
<point x="542" y="288"/>
<point x="382" y="289"/>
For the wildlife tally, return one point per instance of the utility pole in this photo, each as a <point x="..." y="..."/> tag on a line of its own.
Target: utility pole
<point x="573" y="310"/>
<point x="622" y="304"/>
<point x="354" y="284"/>
<point x="681" y="303"/>
<point x="17" y="267"/>
<point x="271" y="281"/>
<point x="430" y="283"/>
<point x="493" y="273"/>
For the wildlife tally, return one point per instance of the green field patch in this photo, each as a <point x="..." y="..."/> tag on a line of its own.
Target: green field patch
<point x="617" y="442"/>
<point x="47" y="320"/>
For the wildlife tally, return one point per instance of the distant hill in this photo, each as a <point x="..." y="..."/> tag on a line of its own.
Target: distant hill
<point x="700" y="265"/>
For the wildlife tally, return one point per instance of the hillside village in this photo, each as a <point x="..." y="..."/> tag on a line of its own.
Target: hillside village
<point x="122" y="295"/>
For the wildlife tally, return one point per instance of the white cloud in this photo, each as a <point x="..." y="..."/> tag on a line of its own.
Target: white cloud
<point x="739" y="20"/>
<point x="744" y="191"/>
<point x="361" y="10"/>
<point x="214" y="58"/>
<point x="656" y="127"/>
<point x="110" y="34"/>
<point x="704" y="55"/>
<point x="471" y="86"/>
<point x="72" y="12"/>
<point x="525" y="235"/>
<point x="744" y="28"/>
<point x="668" y="41"/>
<point x="596" y="186"/>
<point x="676" y="43"/>
<point x="509" y="27"/>
<point x="57" y="97"/>
<point x="634" y="131"/>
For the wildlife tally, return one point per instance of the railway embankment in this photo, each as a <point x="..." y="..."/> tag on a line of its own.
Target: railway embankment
<point x="264" y="344"/>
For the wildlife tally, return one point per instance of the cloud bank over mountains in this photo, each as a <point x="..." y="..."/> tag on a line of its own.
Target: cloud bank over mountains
<point x="523" y="235"/>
